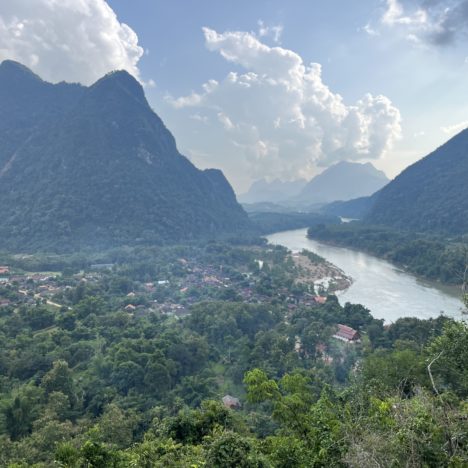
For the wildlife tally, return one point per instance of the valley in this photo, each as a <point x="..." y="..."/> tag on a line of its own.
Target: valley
<point x="148" y="319"/>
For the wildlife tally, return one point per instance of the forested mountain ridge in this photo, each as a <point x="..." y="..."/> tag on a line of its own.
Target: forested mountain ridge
<point x="97" y="167"/>
<point x="430" y="195"/>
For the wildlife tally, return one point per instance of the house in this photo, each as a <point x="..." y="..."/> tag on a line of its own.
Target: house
<point x="130" y="308"/>
<point x="231" y="402"/>
<point x="320" y="299"/>
<point x="347" y="334"/>
<point x="149" y="287"/>
<point x="131" y="294"/>
<point x="210" y="279"/>
<point x="4" y="302"/>
<point x="4" y="270"/>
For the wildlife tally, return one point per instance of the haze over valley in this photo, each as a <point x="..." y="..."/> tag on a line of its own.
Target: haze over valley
<point x="233" y="234"/>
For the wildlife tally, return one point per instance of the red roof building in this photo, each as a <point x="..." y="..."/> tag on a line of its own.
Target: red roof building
<point x="348" y="334"/>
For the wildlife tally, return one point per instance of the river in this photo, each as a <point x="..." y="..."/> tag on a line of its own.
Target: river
<point x="387" y="291"/>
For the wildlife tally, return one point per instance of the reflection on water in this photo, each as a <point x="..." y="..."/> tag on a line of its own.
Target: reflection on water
<point x="386" y="290"/>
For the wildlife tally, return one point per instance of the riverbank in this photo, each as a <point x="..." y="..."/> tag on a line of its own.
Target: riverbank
<point x="387" y="291"/>
<point x="432" y="257"/>
<point x="325" y="276"/>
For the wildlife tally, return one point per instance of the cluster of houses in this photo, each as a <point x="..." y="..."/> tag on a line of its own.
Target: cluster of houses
<point x="4" y="273"/>
<point x="198" y="282"/>
<point x="29" y="288"/>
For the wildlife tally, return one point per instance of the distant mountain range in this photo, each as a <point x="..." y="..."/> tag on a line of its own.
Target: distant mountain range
<point x="272" y="192"/>
<point x="429" y="196"/>
<point x="342" y="181"/>
<point x="95" y="166"/>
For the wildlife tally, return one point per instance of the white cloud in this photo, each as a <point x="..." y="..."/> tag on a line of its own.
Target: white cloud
<point x="275" y="32"/>
<point x="72" y="40"/>
<point x="226" y="121"/>
<point x="439" y="22"/>
<point x="455" y="128"/>
<point x="395" y="15"/>
<point x="369" y="30"/>
<point x="199" y="118"/>
<point x="279" y="119"/>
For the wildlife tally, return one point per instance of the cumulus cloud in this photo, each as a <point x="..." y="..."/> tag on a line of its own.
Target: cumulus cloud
<point x="72" y="40"/>
<point x="440" y="22"/>
<point x="279" y="119"/>
<point x="455" y="128"/>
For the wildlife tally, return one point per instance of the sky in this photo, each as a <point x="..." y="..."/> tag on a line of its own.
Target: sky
<point x="274" y="89"/>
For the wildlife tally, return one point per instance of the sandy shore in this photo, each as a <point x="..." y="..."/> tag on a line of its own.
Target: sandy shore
<point x="324" y="275"/>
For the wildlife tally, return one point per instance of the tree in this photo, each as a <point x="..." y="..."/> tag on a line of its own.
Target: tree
<point x="318" y="423"/>
<point x="95" y="455"/>
<point x="59" y="379"/>
<point x="450" y="368"/>
<point x="19" y="415"/>
<point x="116" y="427"/>
<point x="230" y="450"/>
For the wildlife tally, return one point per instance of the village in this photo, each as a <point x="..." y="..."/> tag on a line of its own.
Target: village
<point x="297" y="283"/>
<point x="194" y="281"/>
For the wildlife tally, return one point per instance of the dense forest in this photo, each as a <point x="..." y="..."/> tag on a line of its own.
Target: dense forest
<point x="429" y="196"/>
<point x="96" y="167"/>
<point x="126" y="364"/>
<point x="431" y="257"/>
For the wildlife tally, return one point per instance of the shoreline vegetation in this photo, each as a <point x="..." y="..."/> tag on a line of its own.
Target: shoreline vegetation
<point x="430" y="257"/>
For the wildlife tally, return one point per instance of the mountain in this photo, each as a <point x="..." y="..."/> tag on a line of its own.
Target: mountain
<point x="274" y="191"/>
<point x="429" y="196"/>
<point x="357" y="208"/>
<point x="95" y="166"/>
<point x="343" y="181"/>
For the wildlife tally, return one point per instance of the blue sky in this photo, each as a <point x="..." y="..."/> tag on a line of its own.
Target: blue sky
<point x="391" y="87"/>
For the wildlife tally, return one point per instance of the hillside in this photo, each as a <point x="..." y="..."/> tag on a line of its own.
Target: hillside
<point x="343" y="181"/>
<point x="357" y="208"/>
<point x="96" y="167"/>
<point x="431" y="195"/>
